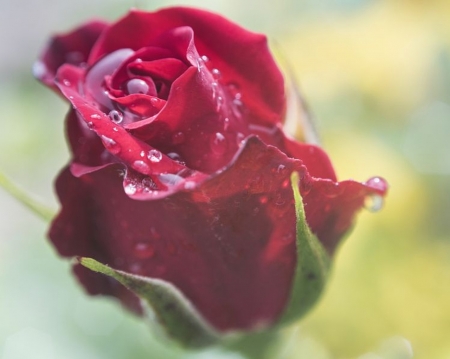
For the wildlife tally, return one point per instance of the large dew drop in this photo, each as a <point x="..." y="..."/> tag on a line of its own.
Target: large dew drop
<point x="377" y="183"/>
<point x="137" y="86"/>
<point x="130" y="188"/>
<point x="115" y="116"/>
<point x="154" y="156"/>
<point x="110" y="145"/>
<point x="373" y="203"/>
<point x="141" y="166"/>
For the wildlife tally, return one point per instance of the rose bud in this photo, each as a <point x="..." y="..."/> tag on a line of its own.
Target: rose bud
<point x="182" y="184"/>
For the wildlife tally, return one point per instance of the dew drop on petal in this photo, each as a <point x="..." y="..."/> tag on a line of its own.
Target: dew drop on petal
<point x="96" y="116"/>
<point x="281" y="169"/>
<point x="66" y="82"/>
<point x="189" y="185"/>
<point x="219" y="103"/>
<point x="170" y="179"/>
<point x="91" y="125"/>
<point x="240" y="138"/>
<point x="154" y="155"/>
<point x="142" y="153"/>
<point x="377" y="183"/>
<point x="373" y="203"/>
<point x="110" y="144"/>
<point x="115" y="116"/>
<point x="216" y="73"/>
<point x="141" y="166"/>
<point x="143" y="250"/>
<point x="237" y="107"/>
<point x="205" y="58"/>
<point x="137" y="86"/>
<point x="130" y="188"/>
<point x="218" y="143"/>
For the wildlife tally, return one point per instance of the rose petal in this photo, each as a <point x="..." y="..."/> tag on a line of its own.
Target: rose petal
<point x="72" y="48"/>
<point x="232" y="252"/>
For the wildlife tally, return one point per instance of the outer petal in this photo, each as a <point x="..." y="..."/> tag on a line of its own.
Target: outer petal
<point x="232" y="252"/>
<point x="71" y="48"/>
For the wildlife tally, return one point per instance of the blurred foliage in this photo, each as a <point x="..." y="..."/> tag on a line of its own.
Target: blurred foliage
<point x="376" y="75"/>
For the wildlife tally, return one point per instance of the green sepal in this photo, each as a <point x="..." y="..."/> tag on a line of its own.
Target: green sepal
<point x="313" y="265"/>
<point x="175" y="314"/>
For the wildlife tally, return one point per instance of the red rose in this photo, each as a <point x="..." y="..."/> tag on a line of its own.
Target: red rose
<point x="180" y="167"/>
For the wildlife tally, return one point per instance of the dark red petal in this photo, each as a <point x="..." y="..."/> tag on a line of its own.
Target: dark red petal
<point x="232" y="250"/>
<point x="167" y="69"/>
<point x="71" y="48"/>
<point x="254" y="71"/>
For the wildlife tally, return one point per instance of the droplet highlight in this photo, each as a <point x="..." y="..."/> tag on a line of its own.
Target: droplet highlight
<point x="116" y="116"/>
<point x="154" y="155"/>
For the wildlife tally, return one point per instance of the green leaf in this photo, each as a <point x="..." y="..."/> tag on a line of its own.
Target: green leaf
<point x="172" y="310"/>
<point x="38" y="208"/>
<point x="313" y="264"/>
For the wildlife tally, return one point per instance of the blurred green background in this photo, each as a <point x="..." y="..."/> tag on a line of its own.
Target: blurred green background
<point x="376" y="75"/>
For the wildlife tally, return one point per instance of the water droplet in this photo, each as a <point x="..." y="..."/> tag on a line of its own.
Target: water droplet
<point x="219" y="102"/>
<point x="66" y="82"/>
<point x="143" y="250"/>
<point x="176" y="157"/>
<point x="91" y="125"/>
<point x="170" y="179"/>
<point x="130" y="188"/>
<point x="96" y="116"/>
<point x="110" y="144"/>
<point x="115" y="129"/>
<point x="137" y="86"/>
<point x="237" y="107"/>
<point x="378" y="183"/>
<point x="189" y="185"/>
<point x="226" y="123"/>
<point x="141" y="166"/>
<point x="216" y="73"/>
<point x="178" y="138"/>
<point x="154" y="155"/>
<point x="142" y="153"/>
<point x="373" y="203"/>
<point x="240" y="138"/>
<point x="205" y="58"/>
<point x="281" y="169"/>
<point x="219" y="143"/>
<point x="115" y="116"/>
